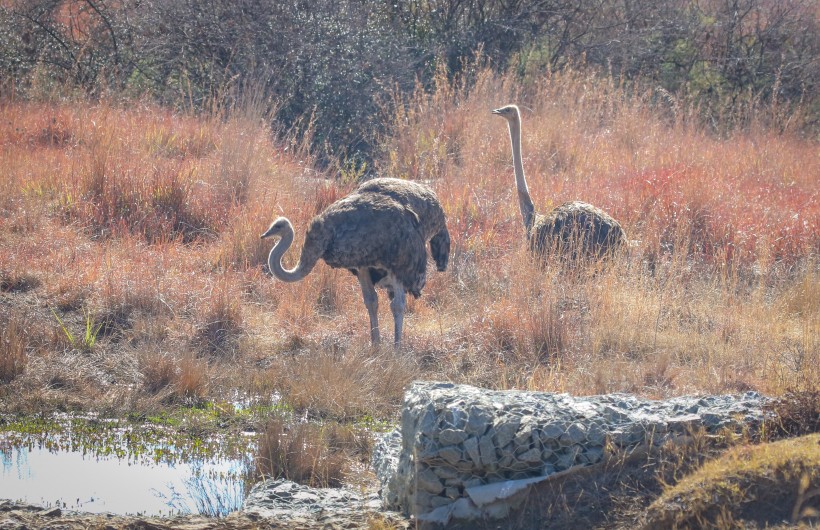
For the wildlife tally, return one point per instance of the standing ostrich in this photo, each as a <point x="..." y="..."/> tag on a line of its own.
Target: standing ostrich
<point x="574" y="229"/>
<point x="379" y="233"/>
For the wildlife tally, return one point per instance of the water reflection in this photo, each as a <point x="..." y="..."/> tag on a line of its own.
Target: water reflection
<point x="76" y="481"/>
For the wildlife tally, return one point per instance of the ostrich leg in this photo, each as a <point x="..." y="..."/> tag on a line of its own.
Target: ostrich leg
<point x="371" y="302"/>
<point x="397" y="305"/>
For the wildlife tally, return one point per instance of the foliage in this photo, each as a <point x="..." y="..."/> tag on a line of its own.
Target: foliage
<point x="89" y="337"/>
<point x="325" y="65"/>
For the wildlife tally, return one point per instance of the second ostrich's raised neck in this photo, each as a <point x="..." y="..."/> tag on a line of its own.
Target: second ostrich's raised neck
<point x="284" y="230"/>
<point x="513" y="117"/>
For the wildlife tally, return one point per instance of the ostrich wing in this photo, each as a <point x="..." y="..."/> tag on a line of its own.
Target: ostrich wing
<point x="378" y="233"/>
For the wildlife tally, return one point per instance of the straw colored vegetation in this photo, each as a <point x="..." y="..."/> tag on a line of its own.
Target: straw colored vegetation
<point x="132" y="274"/>
<point x="765" y="484"/>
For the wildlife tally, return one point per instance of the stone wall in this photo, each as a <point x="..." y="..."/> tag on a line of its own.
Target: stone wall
<point x="464" y="452"/>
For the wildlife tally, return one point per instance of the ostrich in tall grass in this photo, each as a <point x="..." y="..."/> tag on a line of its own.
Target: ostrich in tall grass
<point x="379" y="233"/>
<point x="573" y="229"/>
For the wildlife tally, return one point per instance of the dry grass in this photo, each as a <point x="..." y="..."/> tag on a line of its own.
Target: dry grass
<point x="147" y="222"/>
<point x="768" y="484"/>
<point x="308" y="453"/>
<point x="795" y="414"/>
<point x="13" y="345"/>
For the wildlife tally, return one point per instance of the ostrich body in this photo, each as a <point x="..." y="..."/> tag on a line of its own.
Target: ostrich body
<point x="573" y="229"/>
<point x="379" y="233"/>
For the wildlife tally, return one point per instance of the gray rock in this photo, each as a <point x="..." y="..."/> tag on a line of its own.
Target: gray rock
<point x="469" y="437"/>
<point x="445" y="472"/>
<point x="452" y="455"/>
<point x="552" y="431"/>
<point x="591" y="455"/>
<point x="478" y="421"/>
<point x="435" y="502"/>
<point x="530" y="457"/>
<point x="615" y="414"/>
<point x="452" y="437"/>
<point x="486" y="448"/>
<point x="524" y="435"/>
<point x="504" y="431"/>
<point x="427" y="480"/>
<point x="596" y="434"/>
<point x="471" y="446"/>
<point x="285" y="501"/>
<point x="428" y="422"/>
<point x="575" y="434"/>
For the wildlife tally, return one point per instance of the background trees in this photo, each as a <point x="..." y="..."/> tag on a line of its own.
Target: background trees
<point x="331" y="65"/>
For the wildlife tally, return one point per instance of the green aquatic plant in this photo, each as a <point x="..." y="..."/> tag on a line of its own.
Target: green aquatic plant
<point x="138" y="442"/>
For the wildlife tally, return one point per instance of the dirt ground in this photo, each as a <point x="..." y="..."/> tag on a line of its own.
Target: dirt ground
<point x="27" y="517"/>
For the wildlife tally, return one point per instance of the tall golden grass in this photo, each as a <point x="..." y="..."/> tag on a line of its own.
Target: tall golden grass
<point x="148" y="221"/>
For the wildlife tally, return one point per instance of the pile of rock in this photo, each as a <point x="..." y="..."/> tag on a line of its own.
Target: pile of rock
<point x="465" y="452"/>
<point x="299" y="506"/>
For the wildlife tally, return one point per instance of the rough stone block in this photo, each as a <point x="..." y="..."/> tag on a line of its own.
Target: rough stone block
<point x="451" y="454"/>
<point x="446" y="472"/>
<point x="427" y="480"/>
<point x="478" y="421"/>
<point x="476" y="437"/>
<point x="504" y="431"/>
<point x="552" y="432"/>
<point x="575" y="434"/>
<point x="530" y="457"/>
<point x="471" y="446"/>
<point x="437" y="501"/>
<point x="452" y="437"/>
<point x="486" y="448"/>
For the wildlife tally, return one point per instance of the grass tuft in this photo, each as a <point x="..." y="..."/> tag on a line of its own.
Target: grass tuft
<point x="13" y="346"/>
<point x="795" y="413"/>
<point x="313" y="454"/>
<point x="768" y="484"/>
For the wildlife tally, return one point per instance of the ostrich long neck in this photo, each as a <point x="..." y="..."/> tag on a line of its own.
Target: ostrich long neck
<point x="524" y="200"/>
<point x="275" y="261"/>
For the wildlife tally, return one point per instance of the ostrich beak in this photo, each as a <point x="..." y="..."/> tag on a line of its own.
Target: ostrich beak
<point x="497" y="111"/>
<point x="268" y="233"/>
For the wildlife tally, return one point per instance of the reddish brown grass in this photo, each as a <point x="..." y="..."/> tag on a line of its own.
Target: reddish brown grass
<point x="149" y="221"/>
<point x="13" y="345"/>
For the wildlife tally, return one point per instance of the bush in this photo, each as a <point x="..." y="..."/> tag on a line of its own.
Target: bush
<point x="329" y="62"/>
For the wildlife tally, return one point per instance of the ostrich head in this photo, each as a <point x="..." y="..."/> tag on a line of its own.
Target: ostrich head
<point x="509" y="113"/>
<point x="279" y="227"/>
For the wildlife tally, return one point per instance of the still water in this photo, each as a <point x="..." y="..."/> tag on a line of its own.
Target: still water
<point x="78" y="480"/>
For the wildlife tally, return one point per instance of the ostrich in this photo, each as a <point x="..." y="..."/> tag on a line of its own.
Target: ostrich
<point x="573" y="229"/>
<point x="379" y="233"/>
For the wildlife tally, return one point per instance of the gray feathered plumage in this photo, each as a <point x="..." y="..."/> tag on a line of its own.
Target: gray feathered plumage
<point x="378" y="232"/>
<point x="573" y="229"/>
